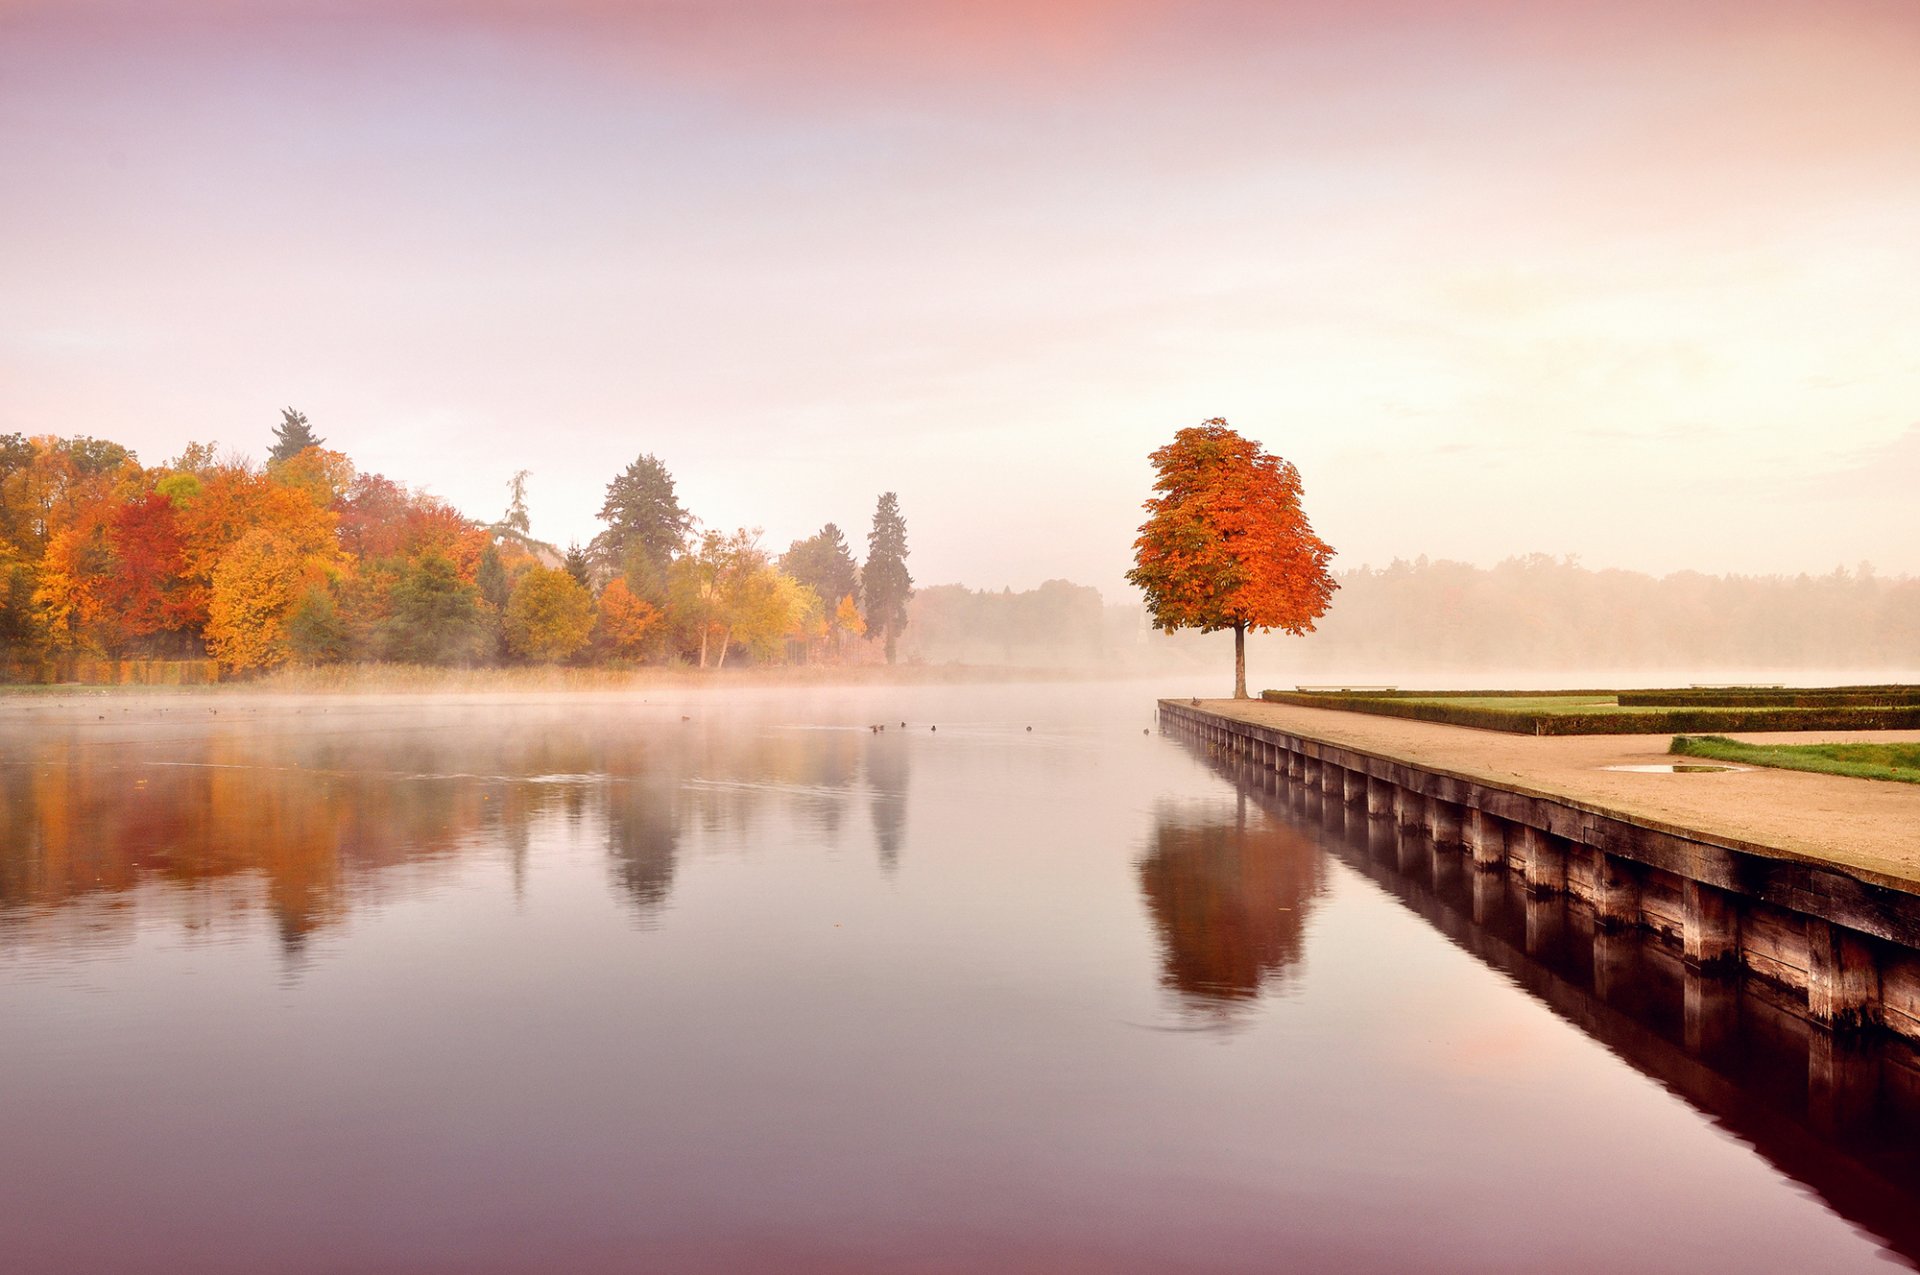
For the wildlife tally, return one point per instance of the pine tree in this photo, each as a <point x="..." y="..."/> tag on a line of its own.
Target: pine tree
<point x="578" y="566"/>
<point x="491" y="576"/>
<point x="642" y="514"/>
<point x="824" y="564"/>
<point x="885" y="582"/>
<point x="292" y="436"/>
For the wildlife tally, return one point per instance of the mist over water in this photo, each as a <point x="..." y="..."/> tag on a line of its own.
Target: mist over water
<point x="731" y="979"/>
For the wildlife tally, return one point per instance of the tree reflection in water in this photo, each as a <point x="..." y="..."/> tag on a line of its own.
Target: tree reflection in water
<point x="210" y="823"/>
<point x="643" y="837"/>
<point x="887" y="781"/>
<point x="1229" y="892"/>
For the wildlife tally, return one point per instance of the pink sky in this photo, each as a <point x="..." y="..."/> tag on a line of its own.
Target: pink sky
<point x="1602" y="279"/>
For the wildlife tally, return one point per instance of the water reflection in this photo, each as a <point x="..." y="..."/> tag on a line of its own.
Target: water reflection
<point x="643" y="841"/>
<point x="210" y="819"/>
<point x="886" y="760"/>
<point x="1229" y="891"/>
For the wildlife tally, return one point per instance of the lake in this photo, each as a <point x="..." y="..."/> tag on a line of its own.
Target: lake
<point x="732" y="981"/>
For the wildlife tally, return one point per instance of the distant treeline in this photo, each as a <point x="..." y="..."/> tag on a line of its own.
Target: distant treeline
<point x="1534" y="612"/>
<point x="305" y="559"/>
<point x="1543" y="612"/>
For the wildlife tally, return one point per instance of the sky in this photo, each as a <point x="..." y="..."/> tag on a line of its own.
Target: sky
<point x="1637" y="282"/>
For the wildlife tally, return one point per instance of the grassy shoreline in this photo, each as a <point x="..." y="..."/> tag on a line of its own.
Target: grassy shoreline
<point x="375" y="679"/>
<point x="1897" y="762"/>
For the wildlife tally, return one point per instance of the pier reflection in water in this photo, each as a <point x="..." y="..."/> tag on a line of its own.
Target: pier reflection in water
<point x="737" y="982"/>
<point x="1838" y="1113"/>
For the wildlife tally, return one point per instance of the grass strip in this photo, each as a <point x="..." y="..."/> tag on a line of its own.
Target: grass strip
<point x="1591" y="714"/>
<point x="1811" y="697"/>
<point x="1897" y="762"/>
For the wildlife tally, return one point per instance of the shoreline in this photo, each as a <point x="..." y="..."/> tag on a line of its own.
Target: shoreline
<point x="345" y="681"/>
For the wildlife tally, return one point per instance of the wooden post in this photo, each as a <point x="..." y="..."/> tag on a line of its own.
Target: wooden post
<point x="1487" y="838"/>
<point x="1379" y="796"/>
<point x="1616" y="892"/>
<point x="1408" y="808"/>
<point x="1355" y="787"/>
<point x="1443" y="822"/>
<point x="1545" y="858"/>
<point x="1333" y="779"/>
<point x="1843" y="978"/>
<point x="1709" y="929"/>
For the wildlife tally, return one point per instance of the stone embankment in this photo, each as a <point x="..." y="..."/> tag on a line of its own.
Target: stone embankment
<point x="1810" y="883"/>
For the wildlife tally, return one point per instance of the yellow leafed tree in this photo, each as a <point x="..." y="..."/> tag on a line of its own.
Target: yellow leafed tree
<point x="549" y="615"/>
<point x="255" y="588"/>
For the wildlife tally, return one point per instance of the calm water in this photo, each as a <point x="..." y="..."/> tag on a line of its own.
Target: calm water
<point x="587" y="986"/>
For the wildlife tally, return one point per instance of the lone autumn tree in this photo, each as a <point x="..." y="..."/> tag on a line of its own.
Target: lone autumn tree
<point x="1226" y="544"/>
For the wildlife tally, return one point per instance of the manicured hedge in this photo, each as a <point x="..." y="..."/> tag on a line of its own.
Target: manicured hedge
<point x="1680" y="720"/>
<point x="1821" y="697"/>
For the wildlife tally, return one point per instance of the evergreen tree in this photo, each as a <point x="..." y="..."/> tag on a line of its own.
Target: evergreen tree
<point x="435" y="617"/>
<point x="578" y="566"/>
<point x="824" y="564"/>
<point x="885" y="582"/>
<point x="292" y="436"/>
<point x="491" y="576"/>
<point x="642" y="514"/>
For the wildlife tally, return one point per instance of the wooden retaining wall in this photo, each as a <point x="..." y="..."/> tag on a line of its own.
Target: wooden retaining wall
<point x="88" y="671"/>
<point x="1846" y="950"/>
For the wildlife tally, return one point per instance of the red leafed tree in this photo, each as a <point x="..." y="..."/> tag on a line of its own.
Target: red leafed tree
<point x="1226" y="544"/>
<point x="149" y="558"/>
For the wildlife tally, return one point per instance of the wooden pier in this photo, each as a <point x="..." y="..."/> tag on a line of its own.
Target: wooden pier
<point x="1842" y="944"/>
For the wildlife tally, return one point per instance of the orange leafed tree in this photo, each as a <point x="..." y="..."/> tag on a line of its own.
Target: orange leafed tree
<point x="1226" y="544"/>
<point x="625" y="620"/>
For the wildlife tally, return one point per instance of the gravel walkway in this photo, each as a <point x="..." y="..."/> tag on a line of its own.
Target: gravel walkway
<point x="1866" y="824"/>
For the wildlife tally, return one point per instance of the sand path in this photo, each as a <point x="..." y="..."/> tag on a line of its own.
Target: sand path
<point x="1866" y="824"/>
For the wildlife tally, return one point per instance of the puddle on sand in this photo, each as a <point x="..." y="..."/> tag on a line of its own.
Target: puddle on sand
<point x="1676" y="768"/>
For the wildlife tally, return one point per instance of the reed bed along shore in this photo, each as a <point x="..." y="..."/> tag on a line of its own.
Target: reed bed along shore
<point x="405" y="679"/>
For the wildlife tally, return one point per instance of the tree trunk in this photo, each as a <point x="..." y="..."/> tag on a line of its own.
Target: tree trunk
<point x="724" y="644"/>
<point x="890" y="646"/>
<point x="1240" y="659"/>
<point x="704" y="630"/>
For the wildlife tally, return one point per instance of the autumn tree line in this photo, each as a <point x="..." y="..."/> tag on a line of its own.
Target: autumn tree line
<point x="303" y="559"/>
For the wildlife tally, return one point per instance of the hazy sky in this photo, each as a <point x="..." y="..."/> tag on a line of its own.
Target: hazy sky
<point x="1630" y="280"/>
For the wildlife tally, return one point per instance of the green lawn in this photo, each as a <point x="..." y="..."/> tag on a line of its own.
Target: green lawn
<point x="1898" y="762"/>
<point x="1529" y="703"/>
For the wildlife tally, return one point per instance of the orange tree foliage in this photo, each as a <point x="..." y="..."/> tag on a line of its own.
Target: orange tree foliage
<point x="235" y="500"/>
<point x="625" y="620"/>
<point x="1226" y="544"/>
